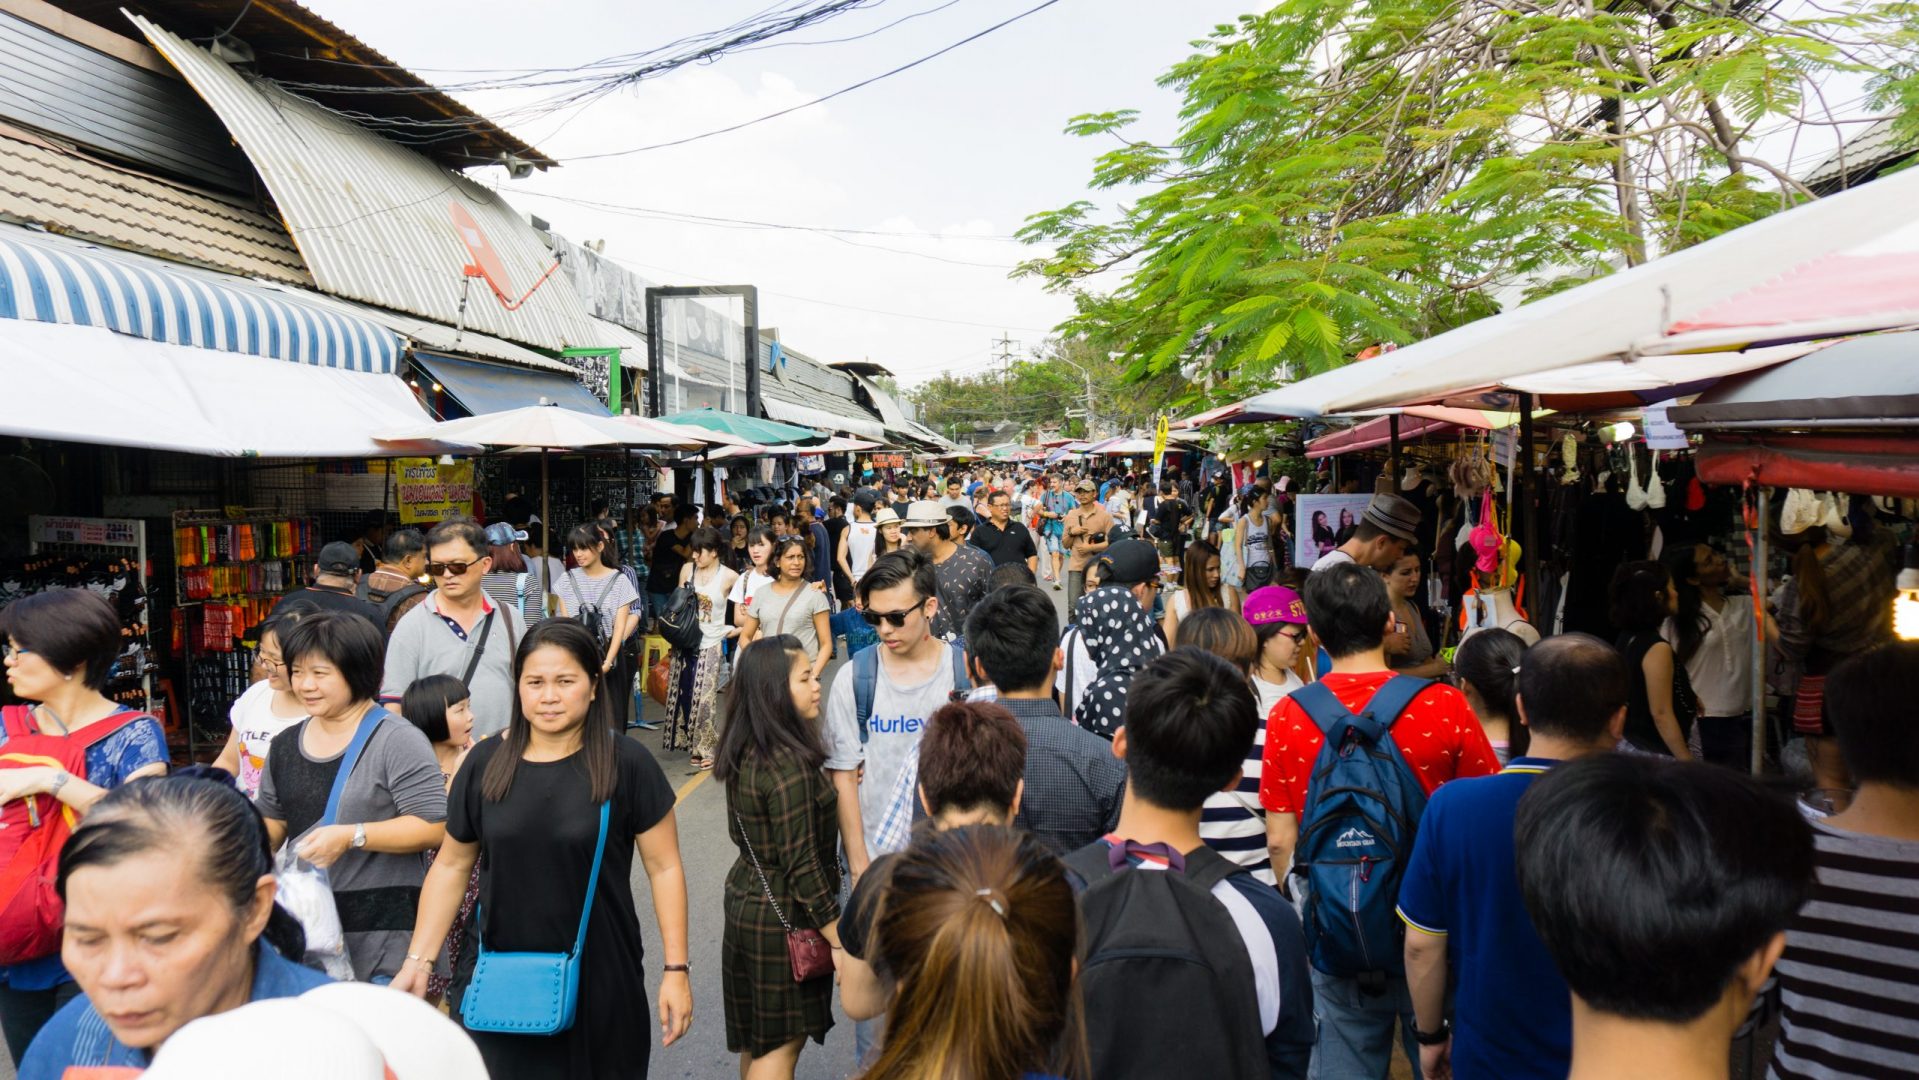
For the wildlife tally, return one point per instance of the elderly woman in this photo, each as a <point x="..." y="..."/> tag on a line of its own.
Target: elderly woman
<point x="392" y="805"/>
<point x="60" y="650"/>
<point x="170" y="917"/>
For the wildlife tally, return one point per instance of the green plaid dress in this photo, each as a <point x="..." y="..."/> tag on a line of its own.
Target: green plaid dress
<point x="790" y="813"/>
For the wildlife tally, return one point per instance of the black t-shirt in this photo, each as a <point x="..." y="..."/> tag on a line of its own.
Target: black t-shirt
<point x="536" y="854"/>
<point x="856" y="919"/>
<point x="663" y="572"/>
<point x="1171" y="512"/>
<point x="329" y="599"/>
<point x="1011" y="545"/>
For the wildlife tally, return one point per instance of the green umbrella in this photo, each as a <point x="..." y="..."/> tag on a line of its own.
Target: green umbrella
<point x="764" y="432"/>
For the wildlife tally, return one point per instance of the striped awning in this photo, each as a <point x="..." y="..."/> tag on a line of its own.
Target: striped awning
<point x="51" y="279"/>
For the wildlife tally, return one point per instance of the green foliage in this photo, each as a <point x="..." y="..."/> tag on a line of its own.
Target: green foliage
<point x="1349" y="172"/>
<point x="1038" y="392"/>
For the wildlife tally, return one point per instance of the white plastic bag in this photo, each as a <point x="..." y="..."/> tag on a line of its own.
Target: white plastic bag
<point x="307" y="894"/>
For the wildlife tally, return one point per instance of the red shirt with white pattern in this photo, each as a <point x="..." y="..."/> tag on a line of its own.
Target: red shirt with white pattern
<point x="1438" y="735"/>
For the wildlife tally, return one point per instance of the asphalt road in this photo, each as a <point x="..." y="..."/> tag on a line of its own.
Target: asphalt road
<point x="708" y="854"/>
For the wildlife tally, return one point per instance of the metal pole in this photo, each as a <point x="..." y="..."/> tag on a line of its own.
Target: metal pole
<point x="1529" y="526"/>
<point x="1392" y="442"/>
<point x="1761" y="580"/>
<point x="546" y="527"/>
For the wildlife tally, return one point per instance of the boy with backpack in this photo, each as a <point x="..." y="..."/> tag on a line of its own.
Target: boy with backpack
<point x="1374" y="745"/>
<point x="1193" y="967"/>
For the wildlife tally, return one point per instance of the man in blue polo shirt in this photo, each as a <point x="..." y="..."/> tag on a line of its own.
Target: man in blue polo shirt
<point x="1512" y="1012"/>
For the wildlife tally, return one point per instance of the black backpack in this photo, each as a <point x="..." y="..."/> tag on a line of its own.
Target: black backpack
<point x="679" y="623"/>
<point x="389" y="602"/>
<point x="1167" y="982"/>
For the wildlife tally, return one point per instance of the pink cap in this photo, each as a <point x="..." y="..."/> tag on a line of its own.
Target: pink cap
<point x="1274" y="604"/>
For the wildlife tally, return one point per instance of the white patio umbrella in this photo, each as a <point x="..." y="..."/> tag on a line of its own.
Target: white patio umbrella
<point x="546" y="427"/>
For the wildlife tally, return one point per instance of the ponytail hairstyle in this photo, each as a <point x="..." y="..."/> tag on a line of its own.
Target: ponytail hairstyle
<point x="979" y="927"/>
<point x="1489" y="661"/>
<point x="169" y="815"/>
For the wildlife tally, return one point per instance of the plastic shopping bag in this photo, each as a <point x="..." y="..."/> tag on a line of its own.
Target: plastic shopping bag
<point x="307" y="894"/>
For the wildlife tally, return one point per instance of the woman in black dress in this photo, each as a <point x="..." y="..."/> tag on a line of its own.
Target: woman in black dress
<point x="526" y="807"/>
<point x="785" y="822"/>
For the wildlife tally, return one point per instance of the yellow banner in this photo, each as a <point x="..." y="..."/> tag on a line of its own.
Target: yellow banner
<point x="430" y="492"/>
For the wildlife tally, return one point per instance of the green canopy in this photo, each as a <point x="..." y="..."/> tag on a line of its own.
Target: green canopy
<point x="765" y="432"/>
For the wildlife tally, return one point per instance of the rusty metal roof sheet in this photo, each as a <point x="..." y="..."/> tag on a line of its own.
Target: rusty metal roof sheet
<point x="370" y="216"/>
<point x="68" y="192"/>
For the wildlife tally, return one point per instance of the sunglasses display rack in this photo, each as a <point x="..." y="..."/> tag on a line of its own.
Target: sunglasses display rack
<point x="230" y="567"/>
<point x="107" y="556"/>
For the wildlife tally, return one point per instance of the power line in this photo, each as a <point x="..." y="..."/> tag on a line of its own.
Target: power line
<point x="823" y="98"/>
<point x="834" y="303"/>
<point x="625" y="208"/>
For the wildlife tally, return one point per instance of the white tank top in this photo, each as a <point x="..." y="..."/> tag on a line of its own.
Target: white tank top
<point x="1256" y="553"/>
<point x="861" y="537"/>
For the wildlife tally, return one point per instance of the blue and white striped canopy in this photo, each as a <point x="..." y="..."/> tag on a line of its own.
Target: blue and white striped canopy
<point x="51" y="279"/>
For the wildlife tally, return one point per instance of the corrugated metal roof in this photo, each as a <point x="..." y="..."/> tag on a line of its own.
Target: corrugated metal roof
<point x="294" y="45"/>
<point x="1861" y="157"/>
<point x="371" y="216"/>
<point x="69" y="193"/>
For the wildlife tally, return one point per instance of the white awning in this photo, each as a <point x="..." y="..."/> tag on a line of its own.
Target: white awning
<point x="89" y="385"/>
<point x="820" y="419"/>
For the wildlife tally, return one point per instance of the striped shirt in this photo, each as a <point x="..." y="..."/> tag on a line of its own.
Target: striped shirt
<point x="1851" y="963"/>
<point x="1234" y="824"/>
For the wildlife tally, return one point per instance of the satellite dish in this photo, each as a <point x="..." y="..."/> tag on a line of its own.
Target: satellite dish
<point x="486" y="262"/>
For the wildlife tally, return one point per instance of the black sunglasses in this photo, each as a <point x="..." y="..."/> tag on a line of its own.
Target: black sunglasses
<point x="457" y="569"/>
<point x="897" y="618"/>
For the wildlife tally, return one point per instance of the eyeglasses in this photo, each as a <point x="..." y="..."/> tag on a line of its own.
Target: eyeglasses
<point x="897" y="618"/>
<point x="457" y="569"/>
<point x="1295" y="635"/>
<point x="271" y="661"/>
<point x="8" y="650"/>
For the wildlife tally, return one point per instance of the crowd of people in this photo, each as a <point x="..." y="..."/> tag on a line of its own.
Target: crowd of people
<point x="1230" y="817"/>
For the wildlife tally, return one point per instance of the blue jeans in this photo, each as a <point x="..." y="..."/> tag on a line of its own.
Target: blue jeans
<point x="1356" y="1029"/>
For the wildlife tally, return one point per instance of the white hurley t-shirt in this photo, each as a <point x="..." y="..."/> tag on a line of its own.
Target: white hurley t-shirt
<point x="255" y="724"/>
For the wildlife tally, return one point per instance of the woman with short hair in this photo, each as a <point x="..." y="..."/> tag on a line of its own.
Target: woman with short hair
<point x="392" y="807"/>
<point x="531" y="809"/>
<point x="170" y="911"/>
<point x="267" y="708"/>
<point x="61" y="646"/>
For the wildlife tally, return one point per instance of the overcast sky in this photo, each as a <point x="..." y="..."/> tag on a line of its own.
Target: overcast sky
<point x="964" y="147"/>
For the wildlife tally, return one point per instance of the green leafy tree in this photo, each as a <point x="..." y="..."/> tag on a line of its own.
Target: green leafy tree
<point x="1049" y="390"/>
<point x="1350" y="172"/>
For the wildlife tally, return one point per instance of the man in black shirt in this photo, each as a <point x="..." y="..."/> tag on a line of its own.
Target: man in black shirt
<point x="1002" y="538"/>
<point x="336" y="577"/>
<point x="1173" y="520"/>
<point x="669" y="554"/>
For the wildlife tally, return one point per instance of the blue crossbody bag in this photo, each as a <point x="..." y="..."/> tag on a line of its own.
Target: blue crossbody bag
<point x="531" y="993"/>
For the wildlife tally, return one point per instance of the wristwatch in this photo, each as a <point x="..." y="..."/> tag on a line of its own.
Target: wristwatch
<point x="359" y="835"/>
<point x="1433" y="1038"/>
<point x="60" y="778"/>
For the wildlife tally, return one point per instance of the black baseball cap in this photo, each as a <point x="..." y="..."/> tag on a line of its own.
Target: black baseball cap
<point x="339" y="557"/>
<point x="1128" y="562"/>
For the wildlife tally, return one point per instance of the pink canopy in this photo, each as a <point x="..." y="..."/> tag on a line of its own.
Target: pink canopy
<point x="1415" y="422"/>
<point x="1832" y="287"/>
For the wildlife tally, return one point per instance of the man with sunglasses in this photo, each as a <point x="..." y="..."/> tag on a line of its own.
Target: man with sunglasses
<point x="457" y="631"/>
<point x="917" y="673"/>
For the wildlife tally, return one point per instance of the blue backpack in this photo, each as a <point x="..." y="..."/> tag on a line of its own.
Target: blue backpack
<point x="866" y="678"/>
<point x="1356" y="835"/>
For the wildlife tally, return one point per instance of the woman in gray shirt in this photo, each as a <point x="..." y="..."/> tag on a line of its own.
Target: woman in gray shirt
<point x="392" y="809"/>
<point x="791" y="605"/>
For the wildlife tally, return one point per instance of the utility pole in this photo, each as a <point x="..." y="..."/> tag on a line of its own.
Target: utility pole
<point x="1004" y="348"/>
<point x="1088" y="375"/>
